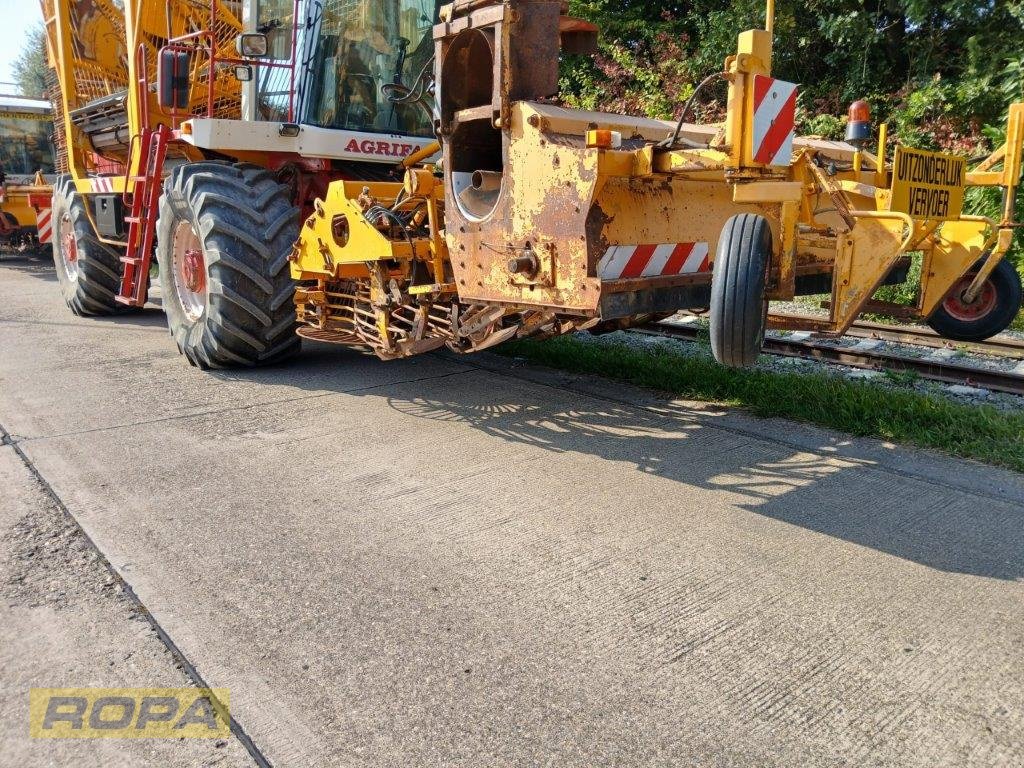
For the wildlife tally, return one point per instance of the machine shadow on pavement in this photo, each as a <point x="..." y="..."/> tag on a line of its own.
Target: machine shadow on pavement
<point x="919" y="521"/>
<point x="40" y="266"/>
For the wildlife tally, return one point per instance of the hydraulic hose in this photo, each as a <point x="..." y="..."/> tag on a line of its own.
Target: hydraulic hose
<point x="674" y="139"/>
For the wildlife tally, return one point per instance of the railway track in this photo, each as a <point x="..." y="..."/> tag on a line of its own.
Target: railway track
<point x="999" y="346"/>
<point x="811" y="348"/>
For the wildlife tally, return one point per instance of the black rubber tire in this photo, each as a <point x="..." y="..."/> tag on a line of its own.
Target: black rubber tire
<point x="1006" y="281"/>
<point x="738" y="304"/>
<point x="247" y="225"/>
<point x="92" y="291"/>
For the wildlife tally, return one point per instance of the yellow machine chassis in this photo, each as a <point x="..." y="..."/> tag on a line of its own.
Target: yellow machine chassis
<point x="512" y="237"/>
<point x="18" y="198"/>
<point x="554" y="182"/>
<point x="96" y="57"/>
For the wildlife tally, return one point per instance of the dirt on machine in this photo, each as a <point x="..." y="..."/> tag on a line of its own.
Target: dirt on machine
<point x="400" y="176"/>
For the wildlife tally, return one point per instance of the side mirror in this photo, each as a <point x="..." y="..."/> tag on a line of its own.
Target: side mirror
<point x="243" y="74"/>
<point x="173" y="86"/>
<point x="252" y="45"/>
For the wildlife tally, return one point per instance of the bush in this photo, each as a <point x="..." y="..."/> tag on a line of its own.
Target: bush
<point x="825" y="126"/>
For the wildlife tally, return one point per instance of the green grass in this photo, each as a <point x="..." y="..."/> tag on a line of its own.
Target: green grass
<point x="858" y="408"/>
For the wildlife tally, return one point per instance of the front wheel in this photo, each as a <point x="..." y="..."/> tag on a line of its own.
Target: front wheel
<point x="88" y="270"/>
<point x="739" y="308"/>
<point x="223" y="240"/>
<point x="991" y="312"/>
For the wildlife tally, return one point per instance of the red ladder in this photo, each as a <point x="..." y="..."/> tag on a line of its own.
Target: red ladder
<point x="145" y="202"/>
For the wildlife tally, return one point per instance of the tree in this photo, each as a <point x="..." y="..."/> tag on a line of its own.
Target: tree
<point x="30" y="68"/>
<point x="937" y="70"/>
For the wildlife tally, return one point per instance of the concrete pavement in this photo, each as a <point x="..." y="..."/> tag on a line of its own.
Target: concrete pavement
<point x="467" y="562"/>
<point x="66" y="621"/>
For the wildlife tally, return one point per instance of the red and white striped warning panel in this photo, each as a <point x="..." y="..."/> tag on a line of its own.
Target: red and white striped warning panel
<point x="625" y="261"/>
<point x="103" y="184"/>
<point x="774" y="120"/>
<point x="44" y="225"/>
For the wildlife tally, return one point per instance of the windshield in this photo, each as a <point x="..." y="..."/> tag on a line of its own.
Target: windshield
<point x="25" y="144"/>
<point x="362" y="46"/>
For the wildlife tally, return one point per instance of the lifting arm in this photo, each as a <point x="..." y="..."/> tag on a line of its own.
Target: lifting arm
<point x="1009" y="154"/>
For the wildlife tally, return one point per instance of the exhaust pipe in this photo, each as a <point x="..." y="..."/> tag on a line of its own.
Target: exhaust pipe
<point x="487" y="181"/>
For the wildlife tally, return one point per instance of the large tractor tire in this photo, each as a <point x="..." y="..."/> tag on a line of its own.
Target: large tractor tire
<point x="89" y="272"/>
<point x="223" y="240"/>
<point x="991" y="312"/>
<point x="738" y="304"/>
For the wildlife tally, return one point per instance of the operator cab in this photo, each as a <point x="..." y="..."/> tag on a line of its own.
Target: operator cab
<point x="361" y="49"/>
<point x="358" y="91"/>
<point x="25" y="144"/>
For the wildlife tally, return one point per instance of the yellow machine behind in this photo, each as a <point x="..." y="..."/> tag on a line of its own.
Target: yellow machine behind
<point x="99" y="53"/>
<point x="26" y="173"/>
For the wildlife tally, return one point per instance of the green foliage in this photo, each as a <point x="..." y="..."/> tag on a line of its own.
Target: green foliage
<point x="826" y="126"/>
<point x="906" y="292"/>
<point x="986" y="201"/>
<point x="30" y="66"/>
<point x="938" y="70"/>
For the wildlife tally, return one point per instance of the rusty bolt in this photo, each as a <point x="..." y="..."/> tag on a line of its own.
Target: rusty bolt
<point x="524" y="264"/>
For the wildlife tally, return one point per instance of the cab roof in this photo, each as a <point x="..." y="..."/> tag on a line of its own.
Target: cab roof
<point x="11" y="103"/>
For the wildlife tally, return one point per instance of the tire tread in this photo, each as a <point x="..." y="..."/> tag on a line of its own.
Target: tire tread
<point x="1007" y="283"/>
<point x="737" y="290"/>
<point x="247" y="224"/>
<point x="94" y="292"/>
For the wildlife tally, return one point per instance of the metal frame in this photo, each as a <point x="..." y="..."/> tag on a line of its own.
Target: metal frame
<point x="209" y="46"/>
<point x="544" y="228"/>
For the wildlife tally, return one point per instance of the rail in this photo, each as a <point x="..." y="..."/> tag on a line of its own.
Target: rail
<point x="997" y="346"/>
<point x="817" y="349"/>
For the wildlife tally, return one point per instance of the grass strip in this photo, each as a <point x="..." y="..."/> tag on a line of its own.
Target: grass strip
<point x="856" y="407"/>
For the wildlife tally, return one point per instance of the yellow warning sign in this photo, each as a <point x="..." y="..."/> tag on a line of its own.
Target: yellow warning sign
<point x="928" y="185"/>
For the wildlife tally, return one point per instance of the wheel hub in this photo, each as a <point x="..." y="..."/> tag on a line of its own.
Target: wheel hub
<point x="968" y="311"/>
<point x="68" y="248"/>
<point x="189" y="271"/>
<point x="194" y="272"/>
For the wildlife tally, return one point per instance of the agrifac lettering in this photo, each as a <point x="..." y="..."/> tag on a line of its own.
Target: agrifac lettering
<point x="380" y="148"/>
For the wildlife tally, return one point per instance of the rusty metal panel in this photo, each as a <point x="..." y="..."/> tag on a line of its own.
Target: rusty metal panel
<point x="543" y="206"/>
<point x="534" y="42"/>
<point x="617" y="305"/>
<point x="865" y="256"/>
